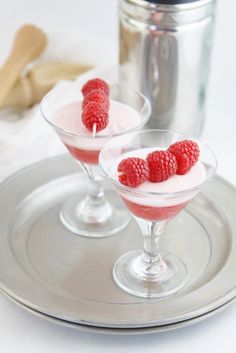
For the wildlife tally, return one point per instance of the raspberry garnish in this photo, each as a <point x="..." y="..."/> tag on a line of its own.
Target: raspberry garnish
<point x="133" y="171"/>
<point x="162" y="165"/>
<point x="96" y="95"/>
<point x="95" y="83"/>
<point x="186" y="153"/>
<point x="95" y="113"/>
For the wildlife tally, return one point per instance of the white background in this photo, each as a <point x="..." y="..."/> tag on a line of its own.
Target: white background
<point x="22" y="332"/>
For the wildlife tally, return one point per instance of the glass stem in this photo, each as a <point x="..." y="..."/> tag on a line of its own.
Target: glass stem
<point x="94" y="208"/>
<point x="151" y="258"/>
<point x="95" y="187"/>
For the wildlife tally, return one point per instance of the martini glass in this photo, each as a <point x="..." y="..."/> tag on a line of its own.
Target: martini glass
<point x="94" y="215"/>
<point x="150" y="273"/>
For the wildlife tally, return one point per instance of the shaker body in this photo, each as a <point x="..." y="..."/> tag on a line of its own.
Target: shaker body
<point x="165" y="53"/>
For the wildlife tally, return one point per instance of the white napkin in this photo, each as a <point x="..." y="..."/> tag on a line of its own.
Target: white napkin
<point x="25" y="137"/>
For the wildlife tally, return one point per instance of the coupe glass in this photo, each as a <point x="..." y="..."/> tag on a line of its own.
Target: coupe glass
<point x="149" y="273"/>
<point x="94" y="215"/>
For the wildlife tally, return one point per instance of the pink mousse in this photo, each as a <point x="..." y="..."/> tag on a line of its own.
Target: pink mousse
<point x="81" y="143"/>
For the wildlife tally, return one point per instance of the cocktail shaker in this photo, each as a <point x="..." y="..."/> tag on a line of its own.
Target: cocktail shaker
<point x="165" y="50"/>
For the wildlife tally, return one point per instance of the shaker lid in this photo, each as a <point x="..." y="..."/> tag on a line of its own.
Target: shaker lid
<point x="171" y="2"/>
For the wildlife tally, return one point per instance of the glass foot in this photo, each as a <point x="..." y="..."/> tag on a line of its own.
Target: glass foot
<point x="137" y="277"/>
<point x="93" y="219"/>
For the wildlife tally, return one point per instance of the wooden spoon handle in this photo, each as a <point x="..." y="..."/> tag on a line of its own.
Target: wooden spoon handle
<point x="8" y="76"/>
<point x="28" y="44"/>
<point x="40" y="79"/>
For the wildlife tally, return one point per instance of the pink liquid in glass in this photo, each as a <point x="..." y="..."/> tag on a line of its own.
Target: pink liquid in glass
<point x="82" y="155"/>
<point x="154" y="213"/>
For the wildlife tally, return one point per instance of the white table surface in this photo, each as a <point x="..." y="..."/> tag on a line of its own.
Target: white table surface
<point x="20" y="331"/>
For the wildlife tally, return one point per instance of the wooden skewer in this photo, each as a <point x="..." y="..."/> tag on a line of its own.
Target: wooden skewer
<point x="29" y="42"/>
<point x="94" y="130"/>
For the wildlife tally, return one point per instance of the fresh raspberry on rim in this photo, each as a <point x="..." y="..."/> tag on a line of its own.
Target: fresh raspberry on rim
<point x="96" y="83"/>
<point x="162" y="165"/>
<point x="96" y="95"/>
<point x="186" y="153"/>
<point x="95" y="116"/>
<point x="133" y="171"/>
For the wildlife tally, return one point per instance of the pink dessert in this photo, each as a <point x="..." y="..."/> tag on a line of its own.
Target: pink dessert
<point x="153" y="213"/>
<point x="159" y="201"/>
<point x="80" y="142"/>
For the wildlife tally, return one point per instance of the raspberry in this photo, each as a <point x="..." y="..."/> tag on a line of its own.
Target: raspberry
<point x="97" y="95"/>
<point x="162" y="165"/>
<point x="134" y="171"/>
<point x="95" y="113"/>
<point x="95" y="83"/>
<point x="186" y="153"/>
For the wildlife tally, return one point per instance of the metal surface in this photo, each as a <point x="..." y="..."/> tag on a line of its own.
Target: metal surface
<point x="122" y="331"/>
<point x="165" y="53"/>
<point x="69" y="277"/>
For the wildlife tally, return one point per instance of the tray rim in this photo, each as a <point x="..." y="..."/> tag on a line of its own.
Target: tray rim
<point x="121" y="331"/>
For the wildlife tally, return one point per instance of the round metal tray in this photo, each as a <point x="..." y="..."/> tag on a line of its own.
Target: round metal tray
<point x="62" y="275"/>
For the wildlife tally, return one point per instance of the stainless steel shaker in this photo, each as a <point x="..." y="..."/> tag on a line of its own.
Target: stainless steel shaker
<point x="165" y="50"/>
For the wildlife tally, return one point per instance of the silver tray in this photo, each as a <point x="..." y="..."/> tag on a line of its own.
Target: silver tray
<point x="122" y="331"/>
<point x="69" y="277"/>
